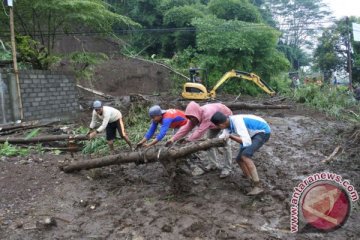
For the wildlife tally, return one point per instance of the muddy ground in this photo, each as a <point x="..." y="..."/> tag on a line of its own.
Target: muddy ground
<point x="135" y="202"/>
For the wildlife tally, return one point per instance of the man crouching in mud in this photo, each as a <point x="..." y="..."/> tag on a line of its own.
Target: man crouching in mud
<point x="199" y="118"/>
<point x="252" y="132"/>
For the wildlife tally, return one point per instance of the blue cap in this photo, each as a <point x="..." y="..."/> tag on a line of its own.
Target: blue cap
<point x="156" y="111"/>
<point x="97" y="104"/>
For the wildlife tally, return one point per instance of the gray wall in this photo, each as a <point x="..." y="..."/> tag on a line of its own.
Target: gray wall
<point x="5" y="107"/>
<point x="44" y="95"/>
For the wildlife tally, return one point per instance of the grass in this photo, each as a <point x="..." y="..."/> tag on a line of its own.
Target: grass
<point x="337" y="102"/>
<point x="33" y="133"/>
<point x="9" y="150"/>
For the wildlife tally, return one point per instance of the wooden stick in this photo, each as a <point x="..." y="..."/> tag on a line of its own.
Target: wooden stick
<point x="333" y="154"/>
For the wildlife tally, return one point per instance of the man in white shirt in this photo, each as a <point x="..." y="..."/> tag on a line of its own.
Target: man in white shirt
<point x="111" y="121"/>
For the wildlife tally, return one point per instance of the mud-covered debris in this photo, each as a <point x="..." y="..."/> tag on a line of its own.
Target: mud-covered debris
<point x="222" y="234"/>
<point x="197" y="171"/>
<point x="166" y="228"/>
<point x="93" y="205"/>
<point x="19" y="225"/>
<point x="49" y="222"/>
<point x="82" y="203"/>
<point x="23" y="162"/>
<point x="46" y="223"/>
<point x="268" y="209"/>
<point x="278" y="194"/>
<point x="30" y="226"/>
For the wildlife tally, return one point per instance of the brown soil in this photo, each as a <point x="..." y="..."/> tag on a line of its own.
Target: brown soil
<point x="136" y="202"/>
<point x="138" y="77"/>
<point x="119" y="71"/>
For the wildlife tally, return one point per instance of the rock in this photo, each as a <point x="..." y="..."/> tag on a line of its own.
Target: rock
<point x="49" y="222"/>
<point x="197" y="171"/>
<point x="267" y="209"/>
<point x="280" y="115"/>
<point x="19" y="225"/>
<point x="83" y="203"/>
<point x="221" y="234"/>
<point x="30" y="226"/>
<point x="279" y="195"/>
<point x="166" y="228"/>
<point x="46" y="223"/>
<point x="23" y="162"/>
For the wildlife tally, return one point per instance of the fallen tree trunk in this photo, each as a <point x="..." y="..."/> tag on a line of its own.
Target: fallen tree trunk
<point x="95" y="92"/>
<point x="248" y="106"/>
<point x="44" y="139"/>
<point x="144" y="156"/>
<point x="14" y="126"/>
<point x="244" y="106"/>
<point x="9" y="132"/>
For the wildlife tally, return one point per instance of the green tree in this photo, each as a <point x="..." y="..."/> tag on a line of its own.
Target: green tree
<point x="223" y="45"/>
<point x="44" y="20"/>
<point x="235" y="9"/>
<point x="180" y="17"/>
<point x="299" y="22"/>
<point x="296" y="56"/>
<point x="330" y="55"/>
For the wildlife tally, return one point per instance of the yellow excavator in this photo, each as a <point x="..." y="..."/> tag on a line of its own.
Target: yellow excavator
<point x="195" y="90"/>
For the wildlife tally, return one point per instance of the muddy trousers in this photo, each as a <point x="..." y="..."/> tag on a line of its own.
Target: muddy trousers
<point x="226" y="163"/>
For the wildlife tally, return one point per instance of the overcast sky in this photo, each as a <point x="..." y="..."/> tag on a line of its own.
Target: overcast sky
<point x="341" y="8"/>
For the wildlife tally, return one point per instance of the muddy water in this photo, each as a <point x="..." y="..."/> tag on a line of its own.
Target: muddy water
<point x="135" y="202"/>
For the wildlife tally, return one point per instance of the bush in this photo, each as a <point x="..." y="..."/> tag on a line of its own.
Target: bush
<point x="334" y="101"/>
<point x="280" y="84"/>
<point x="9" y="150"/>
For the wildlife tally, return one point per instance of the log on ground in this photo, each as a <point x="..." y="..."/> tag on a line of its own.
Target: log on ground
<point x="248" y="106"/>
<point x="148" y="155"/>
<point x="44" y="139"/>
<point x="244" y="106"/>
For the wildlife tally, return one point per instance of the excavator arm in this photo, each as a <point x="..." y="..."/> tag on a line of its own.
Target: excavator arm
<point x="242" y="75"/>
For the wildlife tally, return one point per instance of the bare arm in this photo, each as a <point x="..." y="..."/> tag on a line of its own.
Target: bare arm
<point x="236" y="138"/>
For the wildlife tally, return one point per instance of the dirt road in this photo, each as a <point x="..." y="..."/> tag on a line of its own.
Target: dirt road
<point x="135" y="202"/>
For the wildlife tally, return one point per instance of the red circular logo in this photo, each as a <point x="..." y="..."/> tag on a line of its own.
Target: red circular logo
<point x="325" y="206"/>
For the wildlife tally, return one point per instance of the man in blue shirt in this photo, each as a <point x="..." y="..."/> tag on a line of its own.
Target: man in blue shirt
<point x="251" y="132"/>
<point x="171" y="118"/>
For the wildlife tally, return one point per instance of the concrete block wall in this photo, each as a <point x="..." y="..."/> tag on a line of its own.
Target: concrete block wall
<point x="47" y="94"/>
<point x="5" y="107"/>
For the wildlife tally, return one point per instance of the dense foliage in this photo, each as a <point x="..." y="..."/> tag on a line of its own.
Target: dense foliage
<point x="268" y="37"/>
<point x="42" y="21"/>
<point x="330" y="55"/>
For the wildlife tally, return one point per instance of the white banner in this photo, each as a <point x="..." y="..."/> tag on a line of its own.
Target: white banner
<point x="356" y="32"/>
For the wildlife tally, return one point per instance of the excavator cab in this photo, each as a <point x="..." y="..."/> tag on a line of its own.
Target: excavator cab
<point x="194" y="89"/>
